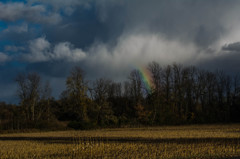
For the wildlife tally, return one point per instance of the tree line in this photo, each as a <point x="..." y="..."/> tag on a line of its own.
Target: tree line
<point x="179" y="95"/>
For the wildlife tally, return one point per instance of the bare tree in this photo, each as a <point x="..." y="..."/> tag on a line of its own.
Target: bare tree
<point x="101" y="94"/>
<point x="43" y="108"/>
<point x="167" y="83"/>
<point x="156" y="71"/>
<point x="136" y="86"/>
<point x="29" y="93"/>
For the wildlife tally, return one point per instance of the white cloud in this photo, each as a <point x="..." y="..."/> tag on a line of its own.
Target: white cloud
<point x="130" y="51"/>
<point x="41" y="50"/>
<point x="140" y="49"/>
<point x="66" y="51"/>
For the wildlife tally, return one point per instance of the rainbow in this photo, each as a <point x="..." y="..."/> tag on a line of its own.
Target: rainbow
<point x="146" y="78"/>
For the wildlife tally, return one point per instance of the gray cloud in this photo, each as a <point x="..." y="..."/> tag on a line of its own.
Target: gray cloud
<point x="37" y="13"/>
<point x="67" y="6"/>
<point x="18" y="29"/>
<point x="3" y="57"/>
<point x="13" y="48"/>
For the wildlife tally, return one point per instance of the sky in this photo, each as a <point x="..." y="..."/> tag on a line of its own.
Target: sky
<point x="109" y="38"/>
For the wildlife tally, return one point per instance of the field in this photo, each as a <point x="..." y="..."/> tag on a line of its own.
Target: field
<point x="195" y="141"/>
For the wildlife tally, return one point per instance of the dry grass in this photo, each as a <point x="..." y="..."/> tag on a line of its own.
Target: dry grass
<point x="205" y="141"/>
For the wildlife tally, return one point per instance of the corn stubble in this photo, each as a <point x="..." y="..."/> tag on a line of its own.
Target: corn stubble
<point x="160" y="142"/>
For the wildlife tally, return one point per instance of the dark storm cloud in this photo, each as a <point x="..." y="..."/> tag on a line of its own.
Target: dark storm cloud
<point x="198" y="20"/>
<point x="18" y="35"/>
<point x="232" y="47"/>
<point x="107" y="20"/>
<point x="57" y="69"/>
<point x="229" y="63"/>
<point x="206" y="36"/>
<point x="81" y="31"/>
<point x="85" y="27"/>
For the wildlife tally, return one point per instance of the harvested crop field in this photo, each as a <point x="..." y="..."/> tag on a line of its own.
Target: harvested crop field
<point x="196" y="141"/>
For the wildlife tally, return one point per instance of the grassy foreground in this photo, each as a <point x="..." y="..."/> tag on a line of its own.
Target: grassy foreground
<point x="197" y="141"/>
